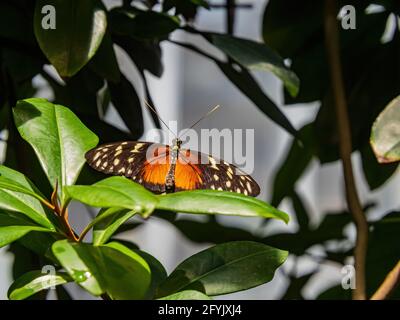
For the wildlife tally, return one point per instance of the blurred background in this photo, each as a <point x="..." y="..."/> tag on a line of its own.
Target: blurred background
<point x="189" y="86"/>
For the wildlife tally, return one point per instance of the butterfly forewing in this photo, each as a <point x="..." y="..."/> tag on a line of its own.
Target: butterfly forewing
<point x="128" y="159"/>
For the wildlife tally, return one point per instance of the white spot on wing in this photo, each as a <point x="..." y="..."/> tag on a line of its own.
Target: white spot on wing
<point x="248" y="186"/>
<point x="96" y="156"/>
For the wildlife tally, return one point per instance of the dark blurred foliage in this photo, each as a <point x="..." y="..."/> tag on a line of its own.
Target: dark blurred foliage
<point x="295" y="30"/>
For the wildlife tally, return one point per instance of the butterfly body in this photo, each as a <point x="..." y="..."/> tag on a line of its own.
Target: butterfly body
<point x="164" y="169"/>
<point x="170" y="178"/>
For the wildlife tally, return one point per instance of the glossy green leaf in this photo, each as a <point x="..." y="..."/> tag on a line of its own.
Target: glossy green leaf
<point x="8" y="184"/>
<point x="225" y="268"/>
<point x="158" y="272"/>
<point x="102" y="269"/>
<point x="34" y="282"/>
<point x="39" y="244"/>
<point x="107" y="222"/>
<point x="187" y="295"/>
<point x="117" y="192"/>
<point x="218" y="202"/>
<point x="249" y="87"/>
<point x="16" y="192"/>
<point x="58" y="137"/>
<point x="257" y="56"/>
<point x="79" y="29"/>
<point x="13" y="227"/>
<point x="142" y="24"/>
<point x="385" y="135"/>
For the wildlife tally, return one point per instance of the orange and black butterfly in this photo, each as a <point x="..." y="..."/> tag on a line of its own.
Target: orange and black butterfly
<point x="164" y="169"/>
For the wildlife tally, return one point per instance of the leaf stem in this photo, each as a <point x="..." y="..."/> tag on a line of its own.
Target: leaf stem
<point x="193" y="48"/>
<point x="345" y="145"/>
<point x="62" y="213"/>
<point x="84" y="232"/>
<point x="389" y="284"/>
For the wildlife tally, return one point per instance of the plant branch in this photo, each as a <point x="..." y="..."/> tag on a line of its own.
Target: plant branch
<point x="389" y="284"/>
<point x="345" y="146"/>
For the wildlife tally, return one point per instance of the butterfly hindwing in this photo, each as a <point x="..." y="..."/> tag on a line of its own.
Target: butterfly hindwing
<point x="216" y="174"/>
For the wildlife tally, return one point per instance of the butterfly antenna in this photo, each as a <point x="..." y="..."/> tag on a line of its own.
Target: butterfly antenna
<point x="155" y="112"/>
<point x="203" y="117"/>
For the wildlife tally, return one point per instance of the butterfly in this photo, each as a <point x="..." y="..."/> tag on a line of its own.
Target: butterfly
<point x="164" y="169"/>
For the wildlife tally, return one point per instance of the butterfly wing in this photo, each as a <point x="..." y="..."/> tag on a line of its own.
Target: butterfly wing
<point x="196" y="170"/>
<point x="148" y="163"/>
<point x="143" y="162"/>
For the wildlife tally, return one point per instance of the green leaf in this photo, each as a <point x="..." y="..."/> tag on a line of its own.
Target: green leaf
<point x="117" y="192"/>
<point x="39" y="243"/>
<point x="201" y="3"/>
<point x="33" y="282"/>
<point x="158" y="273"/>
<point x="187" y="295"/>
<point x="104" y="62"/>
<point x="257" y="56"/>
<point x="296" y="286"/>
<point x="225" y="268"/>
<point x="58" y="137"/>
<point x="375" y="173"/>
<point x="107" y="222"/>
<point x="331" y="228"/>
<point x="296" y="161"/>
<point x="80" y="27"/>
<point x="301" y="211"/>
<point x="245" y="82"/>
<point x="383" y="252"/>
<point x="102" y="269"/>
<point x="142" y="24"/>
<point x="218" y="202"/>
<point x="12" y="183"/>
<point x="8" y="184"/>
<point x="127" y="103"/>
<point x="284" y="19"/>
<point x="13" y="227"/>
<point x="146" y="54"/>
<point x="385" y="135"/>
<point x="211" y="231"/>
